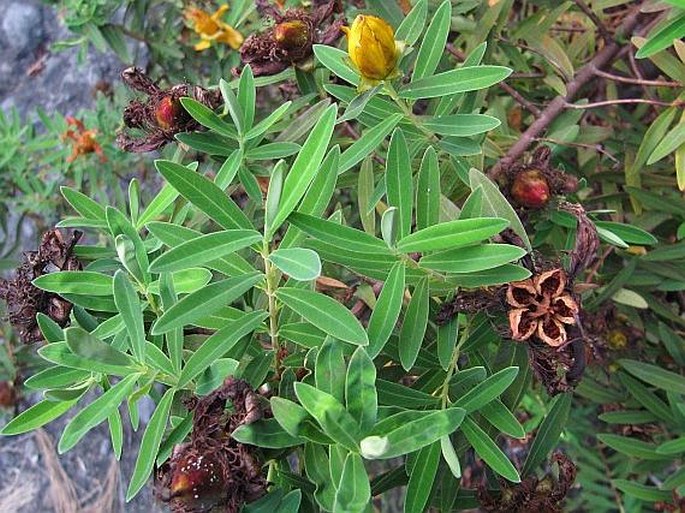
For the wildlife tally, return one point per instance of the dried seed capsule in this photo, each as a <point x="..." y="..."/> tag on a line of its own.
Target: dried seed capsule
<point x="530" y="189"/>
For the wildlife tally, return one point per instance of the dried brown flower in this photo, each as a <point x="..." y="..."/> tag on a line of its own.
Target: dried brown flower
<point x="213" y="472"/>
<point x="8" y="394"/>
<point x="289" y="40"/>
<point x="541" y="307"/>
<point x="24" y="300"/>
<point x="161" y="116"/>
<point x="532" y="494"/>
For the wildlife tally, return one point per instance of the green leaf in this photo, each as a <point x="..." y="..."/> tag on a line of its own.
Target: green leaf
<point x="76" y="282"/>
<point x="495" y="204"/>
<point x="265" y="433"/>
<point x="348" y="238"/>
<point x="499" y="416"/>
<point x="273" y="151"/>
<point x="85" y="206"/>
<point x="87" y="346"/>
<point x="628" y="233"/>
<point x="412" y="435"/>
<point x="414" y="325"/>
<point x="676" y="446"/>
<point x="660" y="378"/>
<point x="174" y="235"/>
<point x="298" y="263"/>
<point x="421" y="478"/>
<point x="450" y="456"/>
<point x="263" y="126"/>
<point x="360" y="389"/>
<point x="366" y="144"/>
<point x="672" y="140"/>
<point x="325" y="313"/>
<point x="204" y="302"/>
<point x="128" y="304"/>
<point x="452" y="234"/>
<point x="305" y="167"/>
<point x="412" y="25"/>
<point x="56" y="377"/>
<point x="472" y="259"/>
<point x="330" y="414"/>
<point x="95" y="413"/>
<point x="149" y="446"/>
<point x="663" y="38"/>
<point x="336" y="60"/>
<point x="447" y="340"/>
<point x="398" y="179"/>
<point x="203" y="249"/>
<point x="488" y="390"/>
<point x="59" y="353"/>
<point x="218" y="344"/>
<point x="642" y="492"/>
<point x="461" y="125"/>
<point x="433" y="44"/>
<point x="247" y="96"/>
<point x="548" y="433"/>
<point x="36" y="416"/>
<point x="487" y="449"/>
<point x="428" y="191"/>
<point x="206" y="117"/>
<point x="329" y="370"/>
<point x="455" y="81"/>
<point x="387" y="310"/>
<point x="631" y="447"/>
<point x="204" y="195"/>
<point x="50" y="329"/>
<point x="353" y="491"/>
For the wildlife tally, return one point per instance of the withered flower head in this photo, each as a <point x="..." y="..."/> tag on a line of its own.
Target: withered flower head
<point x="541" y="307"/>
<point x="289" y="40"/>
<point x="24" y="300"/>
<point x="82" y="141"/>
<point x="532" y="494"/>
<point x="212" y="29"/>
<point x="161" y="116"/>
<point x="213" y="472"/>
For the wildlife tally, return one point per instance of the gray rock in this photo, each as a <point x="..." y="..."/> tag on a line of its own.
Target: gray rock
<point x="22" y="27"/>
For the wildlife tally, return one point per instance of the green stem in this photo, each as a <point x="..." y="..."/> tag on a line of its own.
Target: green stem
<point x="409" y="114"/>
<point x="272" y="279"/>
<point x="452" y="368"/>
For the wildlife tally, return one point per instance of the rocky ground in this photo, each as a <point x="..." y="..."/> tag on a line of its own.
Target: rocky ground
<point x="35" y="478"/>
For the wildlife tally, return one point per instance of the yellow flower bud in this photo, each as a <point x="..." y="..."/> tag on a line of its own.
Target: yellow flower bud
<point x="371" y="46"/>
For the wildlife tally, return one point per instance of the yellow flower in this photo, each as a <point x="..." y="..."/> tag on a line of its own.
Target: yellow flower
<point x="372" y="48"/>
<point x="211" y="29"/>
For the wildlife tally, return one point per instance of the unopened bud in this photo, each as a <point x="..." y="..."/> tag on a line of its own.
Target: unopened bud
<point x="371" y="47"/>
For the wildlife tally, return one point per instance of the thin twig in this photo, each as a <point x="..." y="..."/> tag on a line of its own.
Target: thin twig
<point x="601" y="27"/>
<point x="518" y="97"/>
<point x="596" y="147"/>
<point x="638" y="81"/>
<point x="622" y="101"/>
<point x="602" y="59"/>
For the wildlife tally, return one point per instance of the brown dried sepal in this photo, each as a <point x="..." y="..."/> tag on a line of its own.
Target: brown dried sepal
<point x="290" y="39"/>
<point x="24" y="301"/>
<point x="541" y="307"/>
<point x="160" y="116"/>
<point x="8" y="394"/>
<point x="584" y="252"/>
<point x="213" y="472"/>
<point x="532" y="494"/>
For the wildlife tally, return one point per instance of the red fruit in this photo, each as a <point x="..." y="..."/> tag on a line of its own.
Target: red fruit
<point x="292" y="35"/>
<point x="530" y="189"/>
<point x="198" y="479"/>
<point x="168" y="112"/>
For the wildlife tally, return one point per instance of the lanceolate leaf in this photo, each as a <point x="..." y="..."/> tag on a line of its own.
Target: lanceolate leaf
<point x="452" y="234"/>
<point x="360" y="389"/>
<point x="387" y="310"/>
<point x="433" y="43"/>
<point x="305" y="167"/>
<point x="325" y="313"/>
<point x="456" y="81"/>
<point x="487" y="449"/>
<point x="414" y="325"/>
<point x="149" y="446"/>
<point x="128" y="304"/>
<point x="204" y="195"/>
<point x="548" y="433"/>
<point x="398" y="179"/>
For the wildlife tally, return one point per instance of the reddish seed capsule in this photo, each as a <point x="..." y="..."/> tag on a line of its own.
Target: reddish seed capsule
<point x="168" y="112"/>
<point x="292" y="35"/>
<point x="197" y="478"/>
<point x="530" y="189"/>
